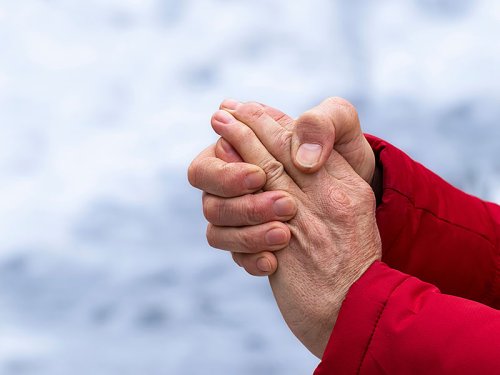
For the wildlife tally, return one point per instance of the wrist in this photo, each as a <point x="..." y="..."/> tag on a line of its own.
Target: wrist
<point x="325" y="322"/>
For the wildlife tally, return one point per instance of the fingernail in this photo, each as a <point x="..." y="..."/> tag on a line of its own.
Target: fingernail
<point x="308" y="154"/>
<point x="230" y="104"/>
<point x="276" y="236"/>
<point x="264" y="265"/>
<point x="224" y="117"/>
<point x="254" y="180"/>
<point x="284" y="207"/>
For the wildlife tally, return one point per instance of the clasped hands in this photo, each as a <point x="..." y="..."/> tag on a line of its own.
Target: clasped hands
<point x="292" y="199"/>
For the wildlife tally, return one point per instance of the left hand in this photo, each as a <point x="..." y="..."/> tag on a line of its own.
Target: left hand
<point x="231" y="198"/>
<point x="334" y="233"/>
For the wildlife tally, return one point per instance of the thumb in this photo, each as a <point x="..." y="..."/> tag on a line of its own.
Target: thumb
<point x="332" y="124"/>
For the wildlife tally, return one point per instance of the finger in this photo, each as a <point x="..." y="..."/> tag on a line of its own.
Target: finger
<point x="260" y="264"/>
<point x="250" y="209"/>
<point x="226" y="152"/>
<point x="271" y="134"/>
<point x="265" y="143"/>
<point x="274" y="138"/>
<point x="281" y="118"/>
<point x="246" y="143"/>
<point x="253" y="239"/>
<point x="318" y="129"/>
<point x="333" y="123"/>
<point x="217" y="177"/>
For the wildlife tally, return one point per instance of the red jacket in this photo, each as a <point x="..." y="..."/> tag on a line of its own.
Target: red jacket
<point x="394" y="319"/>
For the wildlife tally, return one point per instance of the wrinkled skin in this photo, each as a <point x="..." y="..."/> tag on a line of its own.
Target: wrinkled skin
<point x="333" y="235"/>
<point x="220" y="172"/>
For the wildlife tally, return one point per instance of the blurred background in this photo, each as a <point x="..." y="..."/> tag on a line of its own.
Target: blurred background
<point x="104" y="267"/>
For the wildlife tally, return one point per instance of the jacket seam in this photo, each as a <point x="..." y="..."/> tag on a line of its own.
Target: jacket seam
<point x="379" y="317"/>
<point x="426" y="210"/>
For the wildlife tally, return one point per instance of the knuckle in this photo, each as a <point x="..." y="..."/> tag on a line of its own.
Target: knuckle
<point x="282" y="138"/>
<point x="252" y="110"/>
<point x="347" y="107"/>
<point x="274" y="170"/>
<point x="226" y="176"/>
<point x="253" y="211"/>
<point x="341" y="201"/>
<point x="247" y="240"/>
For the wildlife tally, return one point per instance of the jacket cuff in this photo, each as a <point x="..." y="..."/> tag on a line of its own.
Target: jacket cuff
<point x="358" y="319"/>
<point x="424" y="222"/>
<point x="402" y="177"/>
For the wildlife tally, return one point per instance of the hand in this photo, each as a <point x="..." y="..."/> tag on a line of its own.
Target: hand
<point x="334" y="233"/>
<point x="228" y="205"/>
<point x="333" y="121"/>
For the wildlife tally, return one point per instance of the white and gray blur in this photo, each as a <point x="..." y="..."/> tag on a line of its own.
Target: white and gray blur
<point x="104" y="267"/>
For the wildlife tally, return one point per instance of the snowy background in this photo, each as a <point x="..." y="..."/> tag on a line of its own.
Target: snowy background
<point x="103" y="103"/>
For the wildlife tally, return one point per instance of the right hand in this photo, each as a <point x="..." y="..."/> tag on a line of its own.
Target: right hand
<point x="335" y="237"/>
<point x="227" y="203"/>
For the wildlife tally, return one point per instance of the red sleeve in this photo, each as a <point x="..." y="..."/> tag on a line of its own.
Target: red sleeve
<point x="436" y="232"/>
<point x="392" y="323"/>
